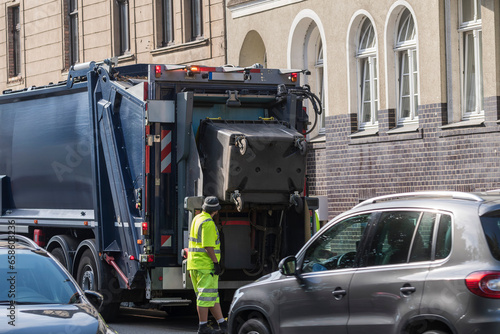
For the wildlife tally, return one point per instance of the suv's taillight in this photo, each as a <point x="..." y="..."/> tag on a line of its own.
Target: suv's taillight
<point x="484" y="283"/>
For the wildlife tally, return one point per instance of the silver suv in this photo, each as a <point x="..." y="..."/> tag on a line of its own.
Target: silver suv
<point x="416" y="263"/>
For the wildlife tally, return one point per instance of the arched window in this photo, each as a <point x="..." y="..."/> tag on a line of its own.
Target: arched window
<point x="308" y="50"/>
<point x="407" y="65"/>
<point x="315" y="62"/>
<point x="366" y="56"/>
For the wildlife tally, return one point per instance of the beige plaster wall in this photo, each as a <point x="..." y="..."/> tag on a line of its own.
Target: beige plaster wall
<point x="336" y="17"/>
<point x="42" y="48"/>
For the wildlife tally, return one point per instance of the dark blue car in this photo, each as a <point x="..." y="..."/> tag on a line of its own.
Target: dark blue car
<point x="37" y="295"/>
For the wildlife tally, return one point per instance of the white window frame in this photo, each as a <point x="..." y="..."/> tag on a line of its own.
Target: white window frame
<point x="406" y="49"/>
<point x="471" y="28"/>
<point x="320" y="83"/>
<point x="367" y="64"/>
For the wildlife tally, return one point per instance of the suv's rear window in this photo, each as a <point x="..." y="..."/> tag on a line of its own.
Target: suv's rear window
<point x="491" y="228"/>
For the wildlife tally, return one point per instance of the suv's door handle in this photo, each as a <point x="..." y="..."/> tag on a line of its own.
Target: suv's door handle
<point x="339" y="293"/>
<point x="407" y="290"/>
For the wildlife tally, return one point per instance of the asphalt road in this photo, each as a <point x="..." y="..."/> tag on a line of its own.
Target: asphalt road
<point x="134" y="321"/>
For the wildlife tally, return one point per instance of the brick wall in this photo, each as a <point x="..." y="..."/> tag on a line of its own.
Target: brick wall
<point x="350" y="169"/>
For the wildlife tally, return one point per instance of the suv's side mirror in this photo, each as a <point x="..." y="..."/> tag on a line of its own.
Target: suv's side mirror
<point x="288" y="266"/>
<point x="95" y="298"/>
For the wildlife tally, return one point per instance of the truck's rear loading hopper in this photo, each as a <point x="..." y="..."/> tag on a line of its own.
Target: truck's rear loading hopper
<point x="261" y="161"/>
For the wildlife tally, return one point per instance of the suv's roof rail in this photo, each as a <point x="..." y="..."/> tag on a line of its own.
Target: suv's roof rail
<point x="19" y="238"/>
<point x="452" y="194"/>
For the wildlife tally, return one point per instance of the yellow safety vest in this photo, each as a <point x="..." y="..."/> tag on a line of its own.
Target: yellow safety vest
<point x="203" y="234"/>
<point x="318" y="225"/>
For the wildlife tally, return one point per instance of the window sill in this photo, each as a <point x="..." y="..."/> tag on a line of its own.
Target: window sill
<point x="321" y="138"/>
<point x="474" y="126"/>
<point x="179" y="47"/>
<point x="126" y="57"/>
<point x="408" y="128"/>
<point x="401" y="133"/>
<point x="365" y="133"/>
<point x="464" y="124"/>
<point x="15" y="80"/>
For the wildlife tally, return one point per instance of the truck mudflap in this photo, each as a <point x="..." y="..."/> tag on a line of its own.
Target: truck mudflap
<point x="251" y="162"/>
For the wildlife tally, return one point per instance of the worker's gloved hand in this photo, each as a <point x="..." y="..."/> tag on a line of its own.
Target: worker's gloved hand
<point x="217" y="269"/>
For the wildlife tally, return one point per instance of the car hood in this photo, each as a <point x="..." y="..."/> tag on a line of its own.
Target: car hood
<point x="274" y="276"/>
<point x="262" y="294"/>
<point x="266" y="279"/>
<point x="59" y="318"/>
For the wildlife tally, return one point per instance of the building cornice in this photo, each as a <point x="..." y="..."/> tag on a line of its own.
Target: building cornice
<point x="241" y="8"/>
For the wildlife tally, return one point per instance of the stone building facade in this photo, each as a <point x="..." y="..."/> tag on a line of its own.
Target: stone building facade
<point x="410" y="89"/>
<point x="41" y="39"/>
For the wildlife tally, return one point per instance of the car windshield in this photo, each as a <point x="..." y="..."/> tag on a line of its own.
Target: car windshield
<point x="491" y="228"/>
<point x="32" y="277"/>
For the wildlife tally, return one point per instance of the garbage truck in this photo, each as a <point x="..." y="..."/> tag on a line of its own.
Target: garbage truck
<point x="107" y="169"/>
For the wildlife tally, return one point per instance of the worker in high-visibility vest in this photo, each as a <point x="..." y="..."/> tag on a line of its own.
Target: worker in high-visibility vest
<point x="203" y="263"/>
<point x="315" y="223"/>
<point x="318" y="225"/>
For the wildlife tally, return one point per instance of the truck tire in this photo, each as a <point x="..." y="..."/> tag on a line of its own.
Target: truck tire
<point x="58" y="253"/>
<point x="254" y="326"/>
<point x="87" y="274"/>
<point x="87" y="278"/>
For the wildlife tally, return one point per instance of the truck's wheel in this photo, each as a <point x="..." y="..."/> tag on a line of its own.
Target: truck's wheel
<point x="88" y="278"/>
<point x="254" y="326"/>
<point x="87" y="275"/>
<point x="58" y="253"/>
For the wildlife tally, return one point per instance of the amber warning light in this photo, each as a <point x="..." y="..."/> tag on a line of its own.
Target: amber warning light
<point x="192" y="70"/>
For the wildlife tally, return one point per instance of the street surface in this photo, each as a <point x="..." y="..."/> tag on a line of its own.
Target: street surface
<point x="133" y="321"/>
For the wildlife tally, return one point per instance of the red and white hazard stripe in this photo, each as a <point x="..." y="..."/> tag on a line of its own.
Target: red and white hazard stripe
<point x="166" y="241"/>
<point x="166" y="151"/>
